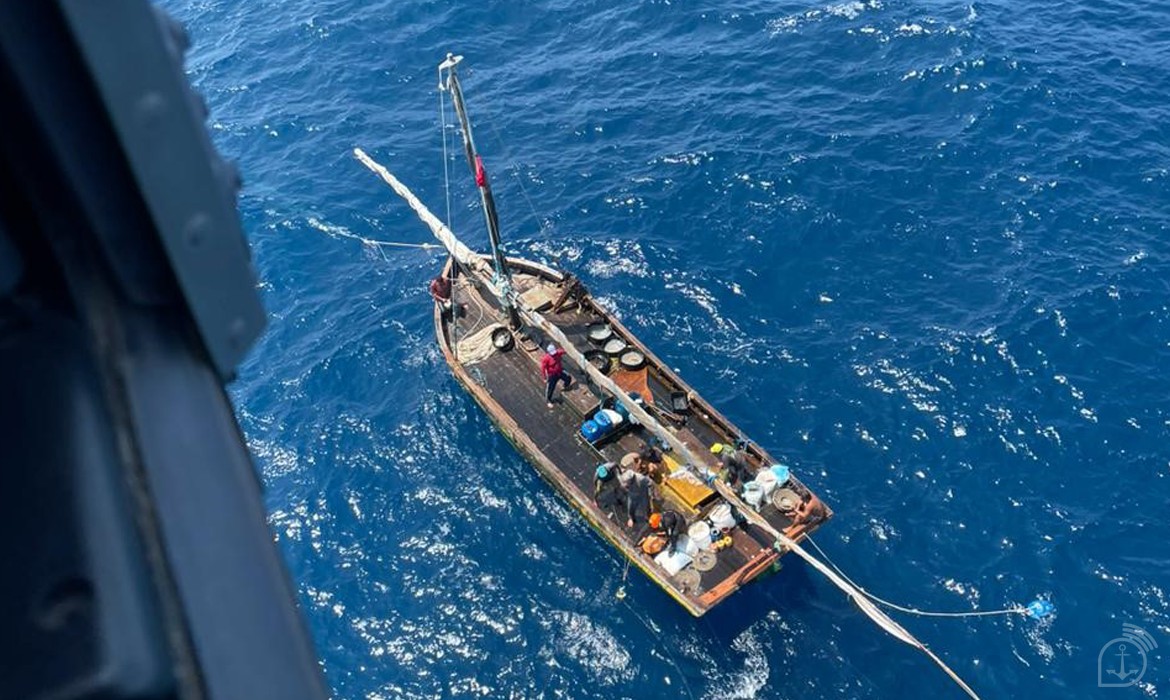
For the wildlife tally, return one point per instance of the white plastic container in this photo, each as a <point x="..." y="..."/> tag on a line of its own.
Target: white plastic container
<point x="753" y="494"/>
<point x="767" y="481"/>
<point x="722" y="517"/>
<point x="699" y="533"/>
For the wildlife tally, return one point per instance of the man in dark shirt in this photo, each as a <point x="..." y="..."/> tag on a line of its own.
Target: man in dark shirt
<point x="734" y="463"/>
<point x="608" y="493"/>
<point x="669" y="523"/>
<point x="638" y="497"/>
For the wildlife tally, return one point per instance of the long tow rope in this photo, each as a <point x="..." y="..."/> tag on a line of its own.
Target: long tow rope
<point x="476" y="264"/>
<point x="1017" y="610"/>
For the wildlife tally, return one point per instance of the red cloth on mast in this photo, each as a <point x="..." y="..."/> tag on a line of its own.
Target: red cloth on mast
<point x="480" y="173"/>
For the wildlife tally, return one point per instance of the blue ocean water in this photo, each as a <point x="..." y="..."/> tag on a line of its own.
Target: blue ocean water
<point x="918" y="249"/>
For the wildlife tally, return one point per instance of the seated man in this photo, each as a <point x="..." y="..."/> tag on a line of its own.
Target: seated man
<point x="632" y="462"/>
<point x="651" y="461"/>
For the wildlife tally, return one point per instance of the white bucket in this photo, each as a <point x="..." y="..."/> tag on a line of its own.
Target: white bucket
<point x="700" y="534"/>
<point x="767" y="481"/>
<point x="753" y="494"/>
<point x="722" y="517"/>
<point x="688" y="545"/>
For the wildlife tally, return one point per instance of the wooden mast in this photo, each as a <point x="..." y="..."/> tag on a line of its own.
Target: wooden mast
<point x="450" y="83"/>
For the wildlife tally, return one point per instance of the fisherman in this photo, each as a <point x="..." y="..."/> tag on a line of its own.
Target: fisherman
<point x="651" y="461"/>
<point x="553" y="371"/>
<point x="734" y="462"/>
<point x="441" y="292"/>
<point x="632" y="462"/>
<point x="669" y="523"/>
<point x="639" y="490"/>
<point x="646" y="461"/>
<point x="608" y="492"/>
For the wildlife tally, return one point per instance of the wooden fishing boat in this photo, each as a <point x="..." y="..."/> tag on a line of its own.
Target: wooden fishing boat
<point x="493" y="328"/>
<point x="509" y="387"/>
<point x="505" y="312"/>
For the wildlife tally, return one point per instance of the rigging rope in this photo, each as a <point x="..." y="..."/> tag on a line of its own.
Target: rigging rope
<point x="374" y="243"/>
<point x="540" y="221"/>
<point x="783" y="542"/>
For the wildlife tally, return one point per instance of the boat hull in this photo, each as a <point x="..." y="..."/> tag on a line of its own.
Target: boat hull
<point x="560" y="454"/>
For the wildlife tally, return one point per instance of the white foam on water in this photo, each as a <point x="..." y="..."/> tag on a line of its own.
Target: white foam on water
<point x="611" y="306"/>
<point x="275" y="460"/>
<point x="1061" y="323"/>
<point x="853" y="9"/>
<point x="782" y="24"/>
<point x="966" y="590"/>
<point x="844" y="10"/>
<point x="355" y="506"/>
<point x="920" y="393"/>
<point x="753" y="677"/>
<point x="491" y="500"/>
<point x="590" y="645"/>
<point x="556" y="249"/>
<point x="691" y="159"/>
<point x="1136" y="257"/>
<point x="870" y="439"/>
<point x="626" y="201"/>
<point x="469" y="685"/>
<point x="621" y="258"/>
<point x="882" y="531"/>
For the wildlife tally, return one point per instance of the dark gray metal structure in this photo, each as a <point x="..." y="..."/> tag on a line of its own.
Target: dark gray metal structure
<point x="137" y="558"/>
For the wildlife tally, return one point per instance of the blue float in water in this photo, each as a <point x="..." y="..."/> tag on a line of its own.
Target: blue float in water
<point x="1039" y="609"/>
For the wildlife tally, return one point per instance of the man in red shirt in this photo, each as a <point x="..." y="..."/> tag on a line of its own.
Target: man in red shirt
<point x="441" y="290"/>
<point x="553" y="371"/>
